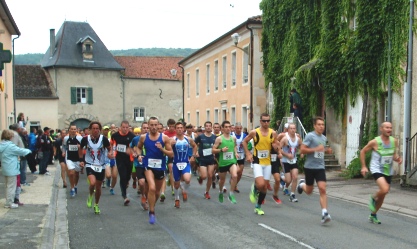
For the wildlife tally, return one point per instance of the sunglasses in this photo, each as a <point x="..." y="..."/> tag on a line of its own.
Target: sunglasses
<point x="265" y="121"/>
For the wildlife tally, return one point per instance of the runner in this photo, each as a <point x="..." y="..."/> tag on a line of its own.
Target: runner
<point x="137" y="132"/>
<point x="225" y="146"/>
<point x="157" y="145"/>
<point x="140" y="169"/>
<point x="170" y="181"/>
<point x="384" y="151"/>
<point x="217" y="132"/>
<point x="289" y="145"/>
<point x="120" y="142"/>
<point x="181" y="168"/>
<point x="190" y="134"/>
<point x="111" y="170"/>
<point x="70" y="147"/>
<point x="241" y="159"/>
<point x="314" y="147"/>
<point x="96" y="146"/>
<point x="61" y="157"/>
<point x="264" y="140"/>
<point x="205" y="157"/>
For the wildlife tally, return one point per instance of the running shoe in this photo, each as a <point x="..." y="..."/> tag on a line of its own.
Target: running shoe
<point x="325" y="218"/>
<point x="76" y="190"/>
<point x="200" y="181"/>
<point x="221" y="197"/>
<point x="108" y="183"/>
<point x="177" y="204"/>
<point x="292" y="198"/>
<point x="276" y="200"/>
<point x="299" y="188"/>
<point x="232" y="199"/>
<point x="207" y="195"/>
<point x="213" y="184"/>
<point x="103" y="185"/>
<point x="374" y="219"/>
<point x="184" y="196"/>
<point x="269" y="187"/>
<point x="259" y="211"/>
<point x="286" y="192"/>
<point x="252" y="195"/>
<point x="134" y="184"/>
<point x="143" y="203"/>
<point x="172" y="193"/>
<point x="72" y="193"/>
<point x="96" y="209"/>
<point x="224" y="189"/>
<point x="162" y="197"/>
<point x="217" y="177"/>
<point x="139" y="192"/>
<point x="237" y="190"/>
<point x="372" y="204"/>
<point x="126" y="202"/>
<point x="152" y="218"/>
<point x="112" y="191"/>
<point x="90" y="201"/>
<point x="64" y="185"/>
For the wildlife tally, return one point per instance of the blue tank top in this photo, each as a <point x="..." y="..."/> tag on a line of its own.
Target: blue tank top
<point x="181" y="148"/>
<point x="154" y="157"/>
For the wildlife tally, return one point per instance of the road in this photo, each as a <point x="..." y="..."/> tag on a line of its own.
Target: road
<point x="201" y="223"/>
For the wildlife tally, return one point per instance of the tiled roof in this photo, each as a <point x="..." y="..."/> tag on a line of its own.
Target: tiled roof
<point x="150" y="67"/>
<point x="32" y="81"/>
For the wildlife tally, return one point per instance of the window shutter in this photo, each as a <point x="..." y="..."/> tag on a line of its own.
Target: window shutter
<point x="90" y="95"/>
<point x="73" y="95"/>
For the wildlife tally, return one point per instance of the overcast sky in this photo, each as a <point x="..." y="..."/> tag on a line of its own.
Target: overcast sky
<point x="126" y="24"/>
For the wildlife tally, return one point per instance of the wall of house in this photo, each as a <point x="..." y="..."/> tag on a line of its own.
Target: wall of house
<point x="43" y="111"/>
<point x="6" y="97"/>
<point x="160" y="98"/>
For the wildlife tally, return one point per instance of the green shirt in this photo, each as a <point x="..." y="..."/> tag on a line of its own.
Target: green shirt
<point x="227" y="158"/>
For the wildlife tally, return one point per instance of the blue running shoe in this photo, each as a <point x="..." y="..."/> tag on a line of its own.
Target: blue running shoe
<point x="286" y="192"/>
<point x="152" y="219"/>
<point x="75" y="188"/>
<point x="112" y="191"/>
<point x="72" y="193"/>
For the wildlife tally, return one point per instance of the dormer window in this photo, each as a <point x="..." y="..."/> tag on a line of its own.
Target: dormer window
<point x="87" y="48"/>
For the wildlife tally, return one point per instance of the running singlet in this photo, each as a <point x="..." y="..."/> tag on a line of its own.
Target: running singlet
<point x="181" y="153"/>
<point x="95" y="156"/>
<point x="263" y="146"/>
<point x="290" y="148"/>
<point x="133" y="144"/>
<point x="227" y="158"/>
<point x="120" y="144"/>
<point x="240" y="150"/>
<point x="381" y="160"/>
<point x="71" y="147"/>
<point x="205" y="146"/>
<point x="154" y="158"/>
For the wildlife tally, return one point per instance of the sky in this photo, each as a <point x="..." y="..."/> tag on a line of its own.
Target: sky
<point x="129" y="24"/>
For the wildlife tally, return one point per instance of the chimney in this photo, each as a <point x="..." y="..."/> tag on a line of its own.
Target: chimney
<point x="52" y="42"/>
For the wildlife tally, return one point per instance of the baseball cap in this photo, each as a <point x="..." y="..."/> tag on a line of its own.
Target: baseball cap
<point x="106" y="127"/>
<point x="286" y="125"/>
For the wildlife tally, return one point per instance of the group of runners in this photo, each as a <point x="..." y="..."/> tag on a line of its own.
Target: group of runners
<point x="150" y="155"/>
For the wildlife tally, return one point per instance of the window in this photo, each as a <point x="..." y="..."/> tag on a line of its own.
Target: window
<point x="197" y="82"/>
<point x="188" y="85"/>
<point x="245" y="70"/>
<point x="233" y="115"/>
<point x="224" y="72"/>
<point x="216" y="115"/>
<point x="208" y="78"/>
<point x="244" y="116"/>
<point x="139" y="114"/>
<point x="234" y="69"/>
<point x="87" y="47"/>
<point x="197" y="115"/>
<point x="207" y="115"/>
<point x="81" y="95"/>
<point x="216" y="75"/>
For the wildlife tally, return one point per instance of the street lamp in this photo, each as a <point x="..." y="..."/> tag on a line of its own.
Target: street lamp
<point x="173" y="72"/>
<point x="235" y="38"/>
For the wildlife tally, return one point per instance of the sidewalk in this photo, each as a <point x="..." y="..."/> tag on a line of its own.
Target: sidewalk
<point x="400" y="200"/>
<point x="42" y="221"/>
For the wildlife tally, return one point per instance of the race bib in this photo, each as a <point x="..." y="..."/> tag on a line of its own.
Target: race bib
<point x="274" y="157"/>
<point x="72" y="147"/>
<point x="207" y="152"/>
<point x="319" y="154"/>
<point x="386" y="159"/>
<point x="181" y="166"/>
<point x="227" y="155"/>
<point x="291" y="161"/>
<point x="121" y="148"/>
<point x="154" y="163"/>
<point x="241" y="156"/>
<point x="263" y="154"/>
<point x="96" y="168"/>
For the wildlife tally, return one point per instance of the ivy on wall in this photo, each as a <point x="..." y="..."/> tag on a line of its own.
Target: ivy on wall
<point x="332" y="49"/>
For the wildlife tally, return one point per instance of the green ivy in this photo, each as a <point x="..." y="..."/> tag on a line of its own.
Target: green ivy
<point x="315" y="42"/>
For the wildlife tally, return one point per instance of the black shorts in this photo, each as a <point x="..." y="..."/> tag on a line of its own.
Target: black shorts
<point x="157" y="174"/>
<point x="99" y="175"/>
<point x="140" y="172"/>
<point x="225" y="168"/>
<point x="378" y="175"/>
<point x="170" y="160"/>
<point x="288" y="167"/>
<point x="61" y="159"/>
<point x="206" y="162"/>
<point x="314" y="174"/>
<point x="275" y="167"/>
<point x="241" y="162"/>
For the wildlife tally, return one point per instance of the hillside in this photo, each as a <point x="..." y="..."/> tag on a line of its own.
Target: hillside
<point x="34" y="59"/>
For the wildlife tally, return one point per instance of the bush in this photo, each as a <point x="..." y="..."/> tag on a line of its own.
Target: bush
<point x="354" y="168"/>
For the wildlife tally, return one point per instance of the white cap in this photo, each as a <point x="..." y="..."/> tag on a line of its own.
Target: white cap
<point x="286" y="125"/>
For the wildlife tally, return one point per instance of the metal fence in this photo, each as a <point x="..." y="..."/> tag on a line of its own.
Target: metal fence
<point x="296" y="121"/>
<point x="411" y="156"/>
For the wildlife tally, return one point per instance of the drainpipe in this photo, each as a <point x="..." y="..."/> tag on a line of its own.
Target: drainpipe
<point x="123" y="96"/>
<point x="183" y="101"/>
<point x="14" y="83"/>
<point x="251" y="75"/>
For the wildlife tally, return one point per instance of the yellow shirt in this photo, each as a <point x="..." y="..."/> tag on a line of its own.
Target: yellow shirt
<point x="263" y="146"/>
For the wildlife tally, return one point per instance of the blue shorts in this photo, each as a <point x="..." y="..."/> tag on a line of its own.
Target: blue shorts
<point x="178" y="173"/>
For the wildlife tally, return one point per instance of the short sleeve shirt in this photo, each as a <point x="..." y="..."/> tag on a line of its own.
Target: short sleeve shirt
<point x="314" y="160"/>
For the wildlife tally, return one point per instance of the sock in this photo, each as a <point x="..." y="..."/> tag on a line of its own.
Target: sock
<point x="373" y="214"/>
<point x="177" y="194"/>
<point x="261" y="198"/>
<point x="323" y="211"/>
<point x="292" y="193"/>
<point x="231" y="194"/>
<point x="257" y="206"/>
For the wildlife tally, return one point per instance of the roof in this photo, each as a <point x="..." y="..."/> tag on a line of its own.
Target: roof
<point x="150" y="67"/>
<point x="68" y="50"/>
<point x="7" y="18"/>
<point x="33" y="82"/>
<point x="250" y="20"/>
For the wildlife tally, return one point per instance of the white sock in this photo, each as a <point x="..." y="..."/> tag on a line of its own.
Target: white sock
<point x="323" y="211"/>
<point x="177" y="193"/>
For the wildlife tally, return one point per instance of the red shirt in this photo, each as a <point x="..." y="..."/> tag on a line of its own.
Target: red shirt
<point x="170" y="134"/>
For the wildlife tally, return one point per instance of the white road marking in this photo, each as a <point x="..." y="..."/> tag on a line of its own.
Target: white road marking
<point x="285" y="235"/>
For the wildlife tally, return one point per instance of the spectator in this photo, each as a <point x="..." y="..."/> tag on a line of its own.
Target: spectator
<point x="295" y="98"/>
<point x="21" y="120"/>
<point x="23" y="160"/>
<point x="10" y="166"/>
<point x="44" y="151"/>
<point x="297" y="112"/>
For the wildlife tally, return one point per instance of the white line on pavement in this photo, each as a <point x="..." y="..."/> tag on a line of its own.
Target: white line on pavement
<point x="285" y="235"/>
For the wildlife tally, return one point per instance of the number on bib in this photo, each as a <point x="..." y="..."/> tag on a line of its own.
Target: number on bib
<point x="73" y="147"/>
<point x="181" y="166"/>
<point x="96" y="168"/>
<point x="241" y="156"/>
<point x="207" y="152"/>
<point x="274" y="157"/>
<point x="386" y="159"/>
<point x="154" y="163"/>
<point x="121" y="148"/>
<point x="263" y="154"/>
<point x="227" y="155"/>
<point x="319" y="154"/>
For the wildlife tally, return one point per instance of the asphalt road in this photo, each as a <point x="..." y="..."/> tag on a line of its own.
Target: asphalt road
<point x="201" y="223"/>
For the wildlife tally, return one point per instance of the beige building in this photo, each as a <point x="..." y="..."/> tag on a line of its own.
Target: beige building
<point x="8" y="28"/>
<point x="224" y="81"/>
